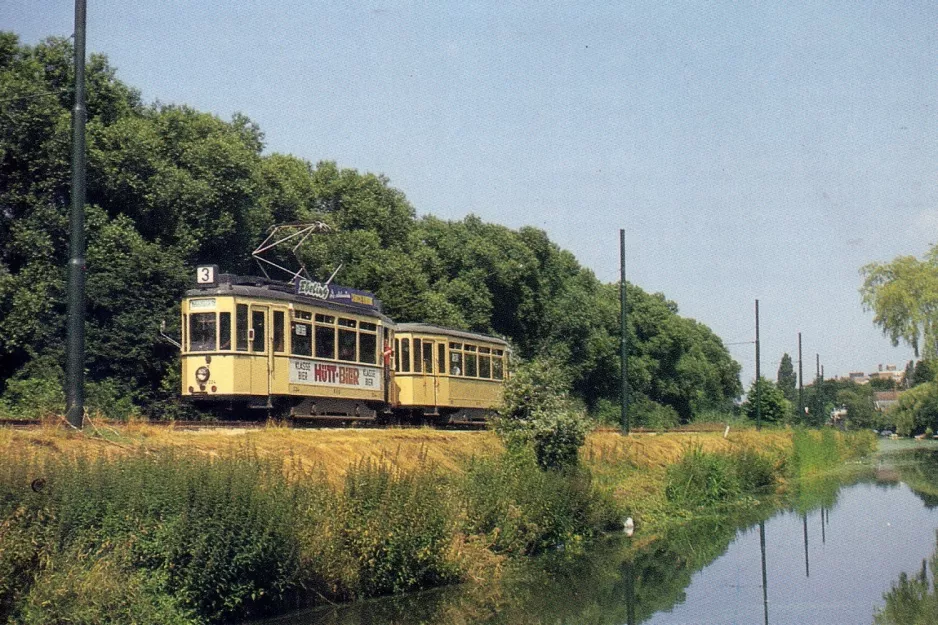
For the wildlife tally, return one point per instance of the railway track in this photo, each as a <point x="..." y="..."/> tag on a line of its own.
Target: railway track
<point x="307" y="423"/>
<point x="326" y="422"/>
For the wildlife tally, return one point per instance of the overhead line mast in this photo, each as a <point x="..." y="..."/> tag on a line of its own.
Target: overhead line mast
<point x="75" y="358"/>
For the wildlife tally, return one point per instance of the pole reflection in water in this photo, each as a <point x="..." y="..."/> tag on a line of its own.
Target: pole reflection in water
<point x="807" y="568"/>
<point x="630" y="590"/>
<point x="765" y="585"/>
<point x="823" y="536"/>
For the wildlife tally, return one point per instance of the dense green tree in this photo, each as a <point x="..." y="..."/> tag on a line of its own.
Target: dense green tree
<point x="926" y="370"/>
<point x="903" y="295"/>
<point x="787" y="380"/>
<point x="774" y="408"/>
<point x="917" y="410"/>
<point x="170" y="187"/>
<point x="858" y="401"/>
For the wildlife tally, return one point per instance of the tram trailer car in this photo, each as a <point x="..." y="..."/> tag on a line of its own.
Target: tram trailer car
<point x="309" y="350"/>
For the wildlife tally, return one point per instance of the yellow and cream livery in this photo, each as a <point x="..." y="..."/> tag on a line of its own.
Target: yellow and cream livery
<point x="315" y="350"/>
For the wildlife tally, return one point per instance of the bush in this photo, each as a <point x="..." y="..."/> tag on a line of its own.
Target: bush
<point x="77" y="589"/>
<point x="216" y="535"/>
<point x="537" y="411"/>
<point x="33" y="398"/>
<point x="701" y="479"/>
<point x="521" y="509"/>
<point x="651" y="414"/>
<point x="395" y="529"/>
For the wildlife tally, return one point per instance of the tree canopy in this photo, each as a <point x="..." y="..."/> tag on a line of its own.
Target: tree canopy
<point x="170" y="187"/>
<point x="903" y="296"/>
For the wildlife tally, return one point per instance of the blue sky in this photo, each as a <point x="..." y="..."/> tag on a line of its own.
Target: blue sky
<point x="749" y="150"/>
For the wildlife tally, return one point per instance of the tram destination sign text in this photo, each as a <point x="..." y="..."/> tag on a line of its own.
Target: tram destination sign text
<point x="338" y="294"/>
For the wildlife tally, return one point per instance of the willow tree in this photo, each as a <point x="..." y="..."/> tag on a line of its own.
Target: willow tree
<point x="903" y="296"/>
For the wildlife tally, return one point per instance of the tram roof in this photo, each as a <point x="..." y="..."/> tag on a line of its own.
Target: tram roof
<point x="462" y="334"/>
<point x="264" y="288"/>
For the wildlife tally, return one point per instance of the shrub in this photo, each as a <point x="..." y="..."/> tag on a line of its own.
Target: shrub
<point x="33" y="398"/>
<point x="538" y="412"/>
<point x="701" y="479"/>
<point x="395" y="529"/>
<point x="651" y="414"/>
<point x="521" y="509"/>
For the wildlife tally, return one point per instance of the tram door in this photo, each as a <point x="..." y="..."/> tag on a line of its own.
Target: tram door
<point x="430" y="385"/>
<point x="260" y="348"/>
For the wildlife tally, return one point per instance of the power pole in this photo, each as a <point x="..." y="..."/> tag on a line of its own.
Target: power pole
<point x="800" y="382"/>
<point x="623" y="342"/>
<point x="758" y="375"/>
<point x="75" y="359"/>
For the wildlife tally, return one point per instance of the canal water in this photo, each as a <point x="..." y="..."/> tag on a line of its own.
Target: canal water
<point x="833" y="553"/>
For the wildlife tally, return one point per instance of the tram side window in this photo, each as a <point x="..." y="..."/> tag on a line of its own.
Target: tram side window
<point x="417" y="364"/>
<point x="185" y="329"/>
<point x="405" y="355"/>
<point x="259" y="325"/>
<point x="202" y="332"/>
<point x="325" y="336"/>
<point x="241" y="327"/>
<point x="224" y="331"/>
<point x="301" y="340"/>
<point x="441" y="358"/>
<point x="428" y="357"/>
<point x="397" y="355"/>
<point x="485" y="362"/>
<point x="278" y="331"/>
<point x="347" y="339"/>
<point x="455" y="359"/>
<point x="498" y="367"/>
<point x="471" y="362"/>
<point x="367" y="348"/>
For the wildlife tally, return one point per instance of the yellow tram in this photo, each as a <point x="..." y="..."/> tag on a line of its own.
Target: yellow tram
<point x="320" y="351"/>
<point x="440" y="372"/>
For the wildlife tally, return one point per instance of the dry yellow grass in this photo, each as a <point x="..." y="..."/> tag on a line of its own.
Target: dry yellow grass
<point x="335" y="450"/>
<point x="656" y="451"/>
<point x="330" y="450"/>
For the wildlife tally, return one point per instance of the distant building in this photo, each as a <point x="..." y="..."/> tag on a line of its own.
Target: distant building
<point x="884" y="400"/>
<point x="858" y="377"/>
<point x="890" y="372"/>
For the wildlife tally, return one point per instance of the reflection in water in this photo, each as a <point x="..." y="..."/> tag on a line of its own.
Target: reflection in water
<point x="807" y="567"/>
<point x="880" y="532"/>
<point x="912" y="600"/>
<point x="765" y="583"/>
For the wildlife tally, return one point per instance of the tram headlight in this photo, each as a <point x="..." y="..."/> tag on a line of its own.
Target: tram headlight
<point x="202" y="374"/>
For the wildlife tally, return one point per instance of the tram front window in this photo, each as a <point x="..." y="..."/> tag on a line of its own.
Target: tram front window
<point x="202" y="332"/>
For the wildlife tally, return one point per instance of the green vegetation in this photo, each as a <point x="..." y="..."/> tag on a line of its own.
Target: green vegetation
<point x="774" y="408"/>
<point x="787" y="379"/>
<point x="162" y="535"/>
<point x="903" y="296"/>
<point x="181" y="538"/>
<point x="537" y="411"/>
<point x="815" y="451"/>
<point x="170" y="187"/>
<point x="704" y="479"/>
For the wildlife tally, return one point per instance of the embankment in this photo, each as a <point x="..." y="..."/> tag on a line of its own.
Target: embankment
<point x="151" y="525"/>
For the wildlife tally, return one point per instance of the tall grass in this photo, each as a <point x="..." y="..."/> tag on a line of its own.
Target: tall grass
<point x="703" y="478"/>
<point x="180" y="537"/>
<point x="819" y="451"/>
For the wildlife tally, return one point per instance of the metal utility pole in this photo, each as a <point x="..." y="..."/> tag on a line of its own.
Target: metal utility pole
<point x="800" y="382"/>
<point x="758" y="375"/>
<point x="75" y="358"/>
<point x="623" y="341"/>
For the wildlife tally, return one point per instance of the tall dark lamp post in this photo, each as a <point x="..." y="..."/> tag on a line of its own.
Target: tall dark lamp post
<point x="75" y="358"/>
<point x="623" y="341"/>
